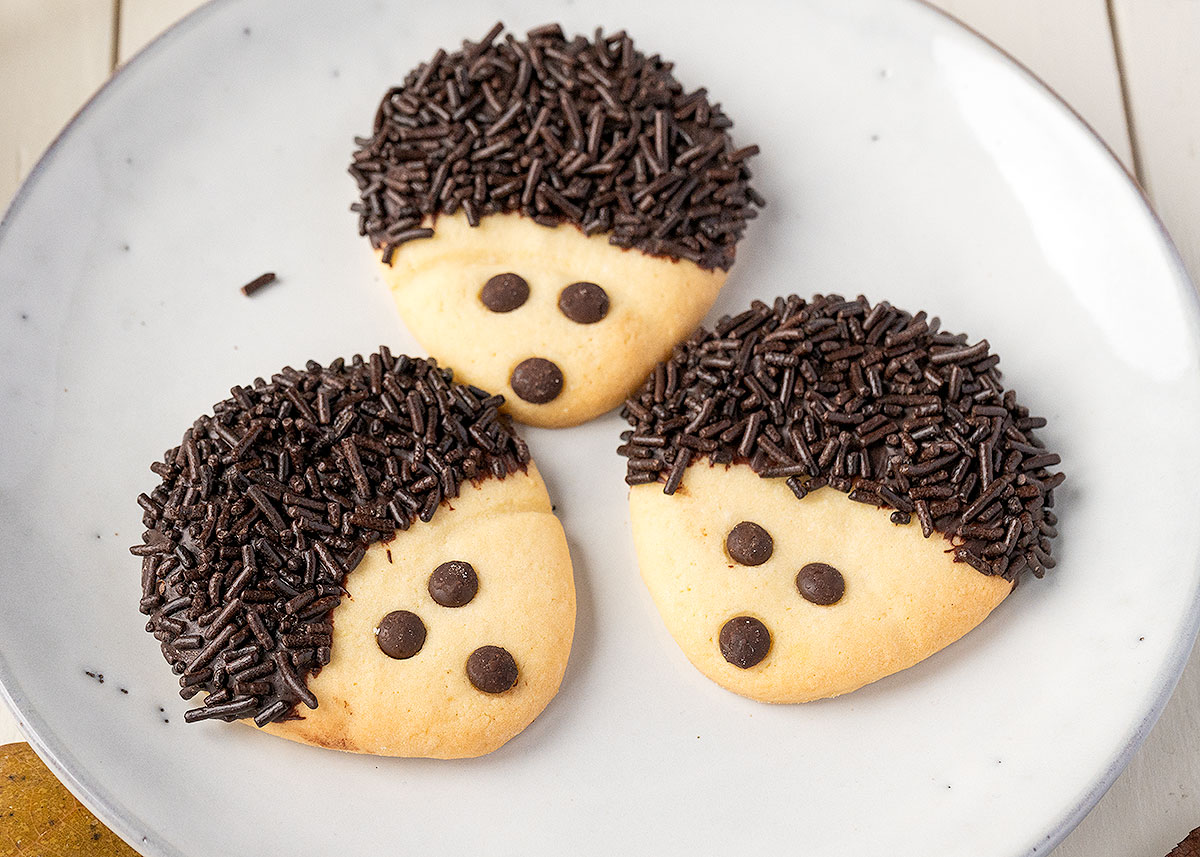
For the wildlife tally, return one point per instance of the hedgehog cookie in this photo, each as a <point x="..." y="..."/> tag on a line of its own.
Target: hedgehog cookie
<point x="361" y="557"/>
<point x="848" y="490"/>
<point x="552" y="215"/>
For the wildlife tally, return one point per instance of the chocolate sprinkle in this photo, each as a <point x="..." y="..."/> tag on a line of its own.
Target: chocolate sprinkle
<point x="749" y="544"/>
<point x="257" y="283"/>
<point x="744" y="641"/>
<point x="453" y="584"/>
<point x="492" y="669"/>
<point x="400" y="634"/>
<point x="868" y="399"/>
<point x="821" y="583"/>
<point x="504" y="292"/>
<point x="588" y="132"/>
<point x="585" y="303"/>
<point x="537" y="380"/>
<point x="269" y="502"/>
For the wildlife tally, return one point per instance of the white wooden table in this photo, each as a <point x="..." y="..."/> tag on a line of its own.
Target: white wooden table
<point x="1130" y="67"/>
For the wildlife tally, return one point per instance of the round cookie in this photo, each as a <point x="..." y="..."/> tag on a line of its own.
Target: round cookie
<point x="905" y="597"/>
<point x="351" y="556"/>
<point x="824" y="493"/>
<point x="427" y="704"/>
<point x="552" y="215"/>
<point x="560" y="372"/>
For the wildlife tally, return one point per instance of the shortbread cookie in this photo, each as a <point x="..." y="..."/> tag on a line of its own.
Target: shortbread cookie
<point x="474" y="612"/>
<point x="552" y="215"/>
<point x="847" y="490"/>
<point x="370" y="542"/>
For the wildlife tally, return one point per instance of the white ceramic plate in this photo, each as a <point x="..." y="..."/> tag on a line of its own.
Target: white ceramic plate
<point x="902" y="158"/>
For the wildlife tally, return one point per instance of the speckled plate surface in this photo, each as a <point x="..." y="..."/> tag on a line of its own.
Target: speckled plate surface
<point x="902" y="158"/>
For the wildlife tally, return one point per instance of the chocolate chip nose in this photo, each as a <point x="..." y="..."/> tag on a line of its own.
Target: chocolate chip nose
<point x="537" y="380"/>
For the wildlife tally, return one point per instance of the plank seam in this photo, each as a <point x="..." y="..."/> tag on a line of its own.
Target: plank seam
<point x="1135" y="151"/>
<point x="114" y="54"/>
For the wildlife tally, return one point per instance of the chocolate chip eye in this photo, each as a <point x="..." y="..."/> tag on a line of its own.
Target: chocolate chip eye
<point x="492" y="669"/>
<point x="821" y="583"/>
<point x="745" y="641"/>
<point x="453" y="583"/>
<point x="400" y="634"/>
<point x="504" y="292"/>
<point x="585" y="303"/>
<point x="749" y="544"/>
<point x="537" y="380"/>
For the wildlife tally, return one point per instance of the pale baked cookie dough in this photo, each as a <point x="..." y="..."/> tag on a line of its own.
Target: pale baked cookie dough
<point x="826" y="492"/>
<point x="904" y="596"/>
<point x="359" y="556"/>
<point x="426" y="704"/>
<point x="651" y="304"/>
<point x="552" y="215"/>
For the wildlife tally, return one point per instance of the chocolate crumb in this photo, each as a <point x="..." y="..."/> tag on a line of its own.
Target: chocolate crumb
<point x="273" y="498"/>
<point x="257" y="283"/>
<point x="868" y="399"/>
<point x="590" y="132"/>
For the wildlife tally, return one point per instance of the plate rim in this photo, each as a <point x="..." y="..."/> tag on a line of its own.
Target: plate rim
<point x="111" y="812"/>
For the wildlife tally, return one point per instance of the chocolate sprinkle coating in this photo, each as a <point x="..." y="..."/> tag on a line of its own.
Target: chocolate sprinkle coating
<point x="744" y="642"/>
<point x="492" y="669"/>
<point x="400" y="635"/>
<point x="537" y="380"/>
<point x="453" y="584"/>
<point x="270" y="501"/>
<point x="821" y="583"/>
<point x="749" y="544"/>
<point x="867" y="399"/>
<point x="585" y="303"/>
<point x="504" y="292"/>
<point x="588" y="132"/>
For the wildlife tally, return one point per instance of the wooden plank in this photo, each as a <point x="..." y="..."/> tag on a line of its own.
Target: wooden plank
<point x="143" y="20"/>
<point x="53" y="55"/>
<point x="1160" y="42"/>
<point x="1069" y="45"/>
<point x="1156" y="801"/>
<point x="9" y="732"/>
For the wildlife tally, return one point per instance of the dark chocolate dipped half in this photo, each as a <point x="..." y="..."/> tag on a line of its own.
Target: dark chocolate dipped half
<point x="590" y="132"/>
<point x="868" y="399"/>
<point x="270" y="501"/>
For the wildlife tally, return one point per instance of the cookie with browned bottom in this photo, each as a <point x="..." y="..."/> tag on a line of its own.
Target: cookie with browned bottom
<point x="826" y="492"/>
